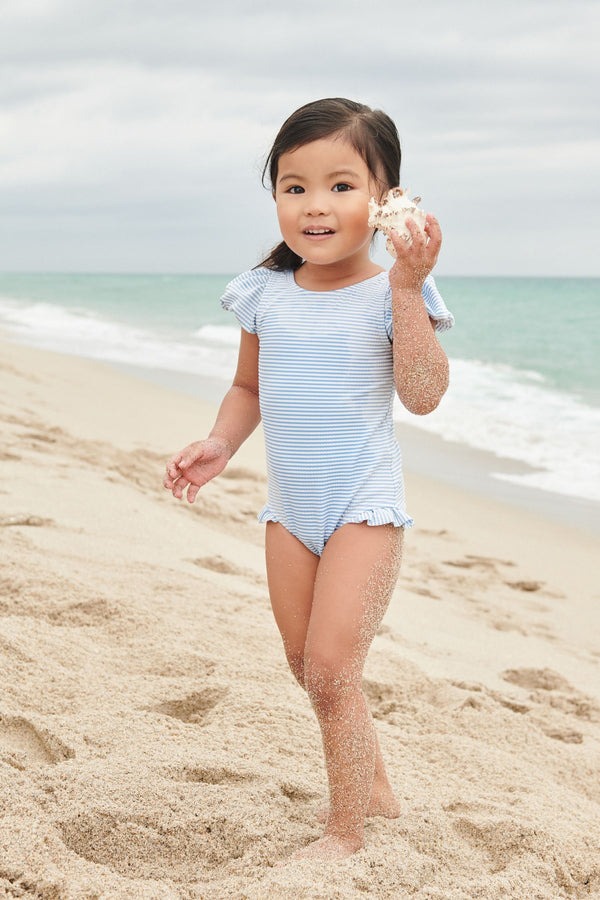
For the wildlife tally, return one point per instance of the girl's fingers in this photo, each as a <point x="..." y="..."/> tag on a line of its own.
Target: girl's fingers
<point x="173" y="470"/>
<point x="180" y="487"/>
<point x="404" y="243"/>
<point x="400" y="243"/>
<point x="177" y="464"/>
<point x="416" y="235"/>
<point x="432" y="226"/>
<point x="192" y="492"/>
<point x="434" y="233"/>
<point x="420" y="245"/>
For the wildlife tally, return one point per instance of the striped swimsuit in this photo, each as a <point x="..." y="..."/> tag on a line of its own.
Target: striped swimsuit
<point x="326" y="390"/>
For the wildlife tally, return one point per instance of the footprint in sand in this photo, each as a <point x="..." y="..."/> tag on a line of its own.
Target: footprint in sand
<point x="525" y="585"/>
<point x="24" y="519"/>
<point x="508" y="624"/>
<point x="493" y="837"/>
<point x="7" y="456"/>
<point x="184" y="665"/>
<point x="224" y="566"/>
<point x="296" y="792"/>
<point x="435" y="532"/>
<point x="544" y="679"/>
<point x="23" y="744"/>
<point x="472" y="561"/>
<point x="194" y="708"/>
<point x="566" y="735"/>
<point x="82" y="613"/>
<point x="44" y="437"/>
<point x="23" y="596"/>
<point x="547" y="689"/>
<point x="212" y="775"/>
<point x="420" y="590"/>
<point x="550" y="689"/>
<point x="155" y="843"/>
<point x="218" y="563"/>
<point x="479" y="697"/>
<point x="382" y="698"/>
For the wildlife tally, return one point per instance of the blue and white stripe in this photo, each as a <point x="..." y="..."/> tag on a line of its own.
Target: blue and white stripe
<point x="326" y="391"/>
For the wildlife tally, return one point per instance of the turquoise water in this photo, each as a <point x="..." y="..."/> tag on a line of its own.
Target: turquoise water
<point x="525" y="377"/>
<point x="545" y="325"/>
<point x="175" y="302"/>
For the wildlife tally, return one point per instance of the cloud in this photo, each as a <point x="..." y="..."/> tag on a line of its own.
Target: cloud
<point x="140" y="111"/>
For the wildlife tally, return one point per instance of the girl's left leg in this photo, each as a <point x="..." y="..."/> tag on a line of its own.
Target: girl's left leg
<point x="354" y="582"/>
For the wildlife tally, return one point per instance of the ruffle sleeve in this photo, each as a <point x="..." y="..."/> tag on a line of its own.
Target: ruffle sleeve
<point x="243" y="295"/>
<point x="434" y="305"/>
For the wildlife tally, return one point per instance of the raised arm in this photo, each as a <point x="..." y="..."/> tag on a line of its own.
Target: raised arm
<point x="238" y="416"/>
<point x="420" y="364"/>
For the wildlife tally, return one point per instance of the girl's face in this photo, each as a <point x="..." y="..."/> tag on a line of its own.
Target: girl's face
<point x="322" y="194"/>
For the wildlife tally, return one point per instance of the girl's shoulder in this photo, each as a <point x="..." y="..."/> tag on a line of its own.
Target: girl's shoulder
<point x="244" y="293"/>
<point x="251" y="281"/>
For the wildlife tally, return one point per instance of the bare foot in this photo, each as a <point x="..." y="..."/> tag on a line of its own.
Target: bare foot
<point x="328" y="848"/>
<point x="382" y="803"/>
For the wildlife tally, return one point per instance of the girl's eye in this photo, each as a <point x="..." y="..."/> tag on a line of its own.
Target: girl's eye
<point x="295" y="189"/>
<point x="342" y="186"/>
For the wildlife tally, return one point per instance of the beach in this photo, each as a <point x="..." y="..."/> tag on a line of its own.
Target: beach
<point x="153" y="743"/>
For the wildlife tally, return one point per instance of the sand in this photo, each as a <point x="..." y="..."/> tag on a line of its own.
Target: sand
<point x="153" y="743"/>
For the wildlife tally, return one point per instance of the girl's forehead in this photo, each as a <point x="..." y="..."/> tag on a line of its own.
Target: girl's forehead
<point x="323" y="154"/>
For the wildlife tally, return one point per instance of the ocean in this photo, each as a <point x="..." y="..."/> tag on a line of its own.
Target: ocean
<point x="524" y="355"/>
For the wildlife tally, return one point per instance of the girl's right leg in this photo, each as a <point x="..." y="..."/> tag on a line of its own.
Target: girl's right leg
<point x="291" y="572"/>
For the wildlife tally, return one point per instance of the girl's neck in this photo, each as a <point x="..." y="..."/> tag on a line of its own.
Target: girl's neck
<point x="313" y="277"/>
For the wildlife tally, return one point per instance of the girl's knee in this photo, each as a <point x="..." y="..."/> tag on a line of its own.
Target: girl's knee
<point x="328" y="683"/>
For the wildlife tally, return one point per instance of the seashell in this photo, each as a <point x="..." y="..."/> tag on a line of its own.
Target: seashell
<point x="392" y="213"/>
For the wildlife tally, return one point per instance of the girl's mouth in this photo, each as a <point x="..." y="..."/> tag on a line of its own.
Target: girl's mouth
<point x="318" y="233"/>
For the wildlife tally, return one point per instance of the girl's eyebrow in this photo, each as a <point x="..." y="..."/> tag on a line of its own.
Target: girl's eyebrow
<point x="350" y="172"/>
<point x="292" y="177"/>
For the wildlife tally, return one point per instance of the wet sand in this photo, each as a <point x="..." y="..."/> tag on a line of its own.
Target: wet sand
<point x="153" y="743"/>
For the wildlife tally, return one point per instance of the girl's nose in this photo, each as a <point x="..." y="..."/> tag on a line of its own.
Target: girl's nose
<point x="316" y="203"/>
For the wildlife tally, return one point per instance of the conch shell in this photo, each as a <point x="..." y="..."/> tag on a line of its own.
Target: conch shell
<point x="392" y="213"/>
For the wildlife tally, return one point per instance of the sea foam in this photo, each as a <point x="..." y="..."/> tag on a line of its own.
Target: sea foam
<point x="514" y="414"/>
<point x="509" y="411"/>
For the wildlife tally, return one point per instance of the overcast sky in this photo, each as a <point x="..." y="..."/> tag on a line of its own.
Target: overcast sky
<point x="132" y="132"/>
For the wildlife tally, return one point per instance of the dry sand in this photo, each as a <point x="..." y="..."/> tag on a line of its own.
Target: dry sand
<point x="153" y="743"/>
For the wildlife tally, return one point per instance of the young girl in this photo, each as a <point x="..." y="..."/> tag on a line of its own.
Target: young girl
<point x="326" y="337"/>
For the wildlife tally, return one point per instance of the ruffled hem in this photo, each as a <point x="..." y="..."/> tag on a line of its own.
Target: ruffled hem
<point x="267" y="515"/>
<point x="383" y="515"/>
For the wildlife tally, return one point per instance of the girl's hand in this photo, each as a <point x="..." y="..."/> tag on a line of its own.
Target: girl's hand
<point x="195" y="465"/>
<point x="415" y="257"/>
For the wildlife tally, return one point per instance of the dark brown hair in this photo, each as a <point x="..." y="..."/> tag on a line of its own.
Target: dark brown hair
<point x="370" y="131"/>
